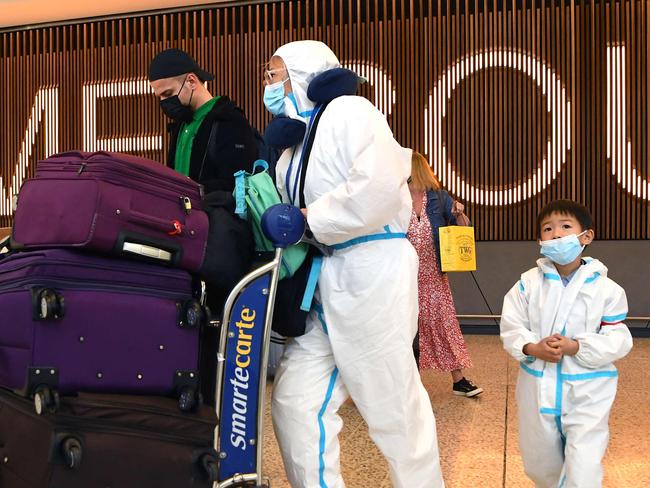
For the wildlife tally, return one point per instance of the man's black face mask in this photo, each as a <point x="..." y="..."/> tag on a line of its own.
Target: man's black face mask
<point x="174" y="109"/>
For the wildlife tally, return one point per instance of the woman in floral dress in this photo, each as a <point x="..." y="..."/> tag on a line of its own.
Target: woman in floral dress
<point x="441" y="343"/>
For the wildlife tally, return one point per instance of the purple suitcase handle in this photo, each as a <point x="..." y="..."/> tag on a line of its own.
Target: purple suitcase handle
<point x="156" y="249"/>
<point x="170" y="253"/>
<point x="87" y="155"/>
<point x="72" y="154"/>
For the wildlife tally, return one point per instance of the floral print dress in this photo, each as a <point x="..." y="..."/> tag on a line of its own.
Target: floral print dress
<point x="441" y="342"/>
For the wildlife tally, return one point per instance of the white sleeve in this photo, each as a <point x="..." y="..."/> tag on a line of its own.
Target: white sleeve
<point x="377" y="168"/>
<point x="514" y="325"/>
<point x="281" y="169"/>
<point x="613" y="341"/>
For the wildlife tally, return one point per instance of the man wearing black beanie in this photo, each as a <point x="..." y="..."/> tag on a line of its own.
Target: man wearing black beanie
<point x="210" y="140"/>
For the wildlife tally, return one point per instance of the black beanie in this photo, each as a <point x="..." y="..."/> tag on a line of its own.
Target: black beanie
<point x="174" y="62"/>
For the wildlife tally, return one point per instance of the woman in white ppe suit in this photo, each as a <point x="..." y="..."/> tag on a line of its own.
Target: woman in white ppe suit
<point x="361" y="328"/>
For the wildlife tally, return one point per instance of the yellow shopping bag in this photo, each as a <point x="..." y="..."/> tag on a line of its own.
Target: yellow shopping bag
<point x="457" y="248"/>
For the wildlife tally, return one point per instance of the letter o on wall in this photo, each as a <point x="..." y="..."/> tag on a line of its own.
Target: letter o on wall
<point x="557" y="105"/>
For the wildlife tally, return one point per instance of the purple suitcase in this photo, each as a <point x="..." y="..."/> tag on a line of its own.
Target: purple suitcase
<point x="112" y="203"/>
<point x="75" y="322"/>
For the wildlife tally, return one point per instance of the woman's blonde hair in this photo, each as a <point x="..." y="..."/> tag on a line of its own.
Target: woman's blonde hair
<point x="422" y="177"/>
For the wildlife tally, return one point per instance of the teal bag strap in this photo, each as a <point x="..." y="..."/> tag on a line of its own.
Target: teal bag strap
<point x="312" y="281"/>
<point x="260" y="163"/>
<point x="240" y="194"/>
<point x="240" y="187"/>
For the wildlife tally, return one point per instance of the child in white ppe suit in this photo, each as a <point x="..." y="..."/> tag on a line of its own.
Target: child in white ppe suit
<point x="563" y="322"/>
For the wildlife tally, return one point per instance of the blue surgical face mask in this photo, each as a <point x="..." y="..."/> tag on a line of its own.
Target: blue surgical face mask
<point x="274" y="97"/>
<point x="564" y="250"/>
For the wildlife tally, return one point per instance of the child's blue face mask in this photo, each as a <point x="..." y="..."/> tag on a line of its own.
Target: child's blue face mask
<point x="274" y="97"/>
<point x="564" y="250"/>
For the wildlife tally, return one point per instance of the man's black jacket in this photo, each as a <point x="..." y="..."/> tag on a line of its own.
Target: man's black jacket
<point x="224" y="144"/>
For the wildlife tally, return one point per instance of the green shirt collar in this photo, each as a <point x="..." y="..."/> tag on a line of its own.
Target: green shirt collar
<point x="204" y="109"/>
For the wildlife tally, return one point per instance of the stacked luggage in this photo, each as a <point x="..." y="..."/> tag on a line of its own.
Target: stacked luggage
<point x="84" y="317"/>
<point x="101" y="318"/>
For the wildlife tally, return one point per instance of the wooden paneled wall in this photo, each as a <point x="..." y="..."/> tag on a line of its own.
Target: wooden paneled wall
<point x="515" y="103"/>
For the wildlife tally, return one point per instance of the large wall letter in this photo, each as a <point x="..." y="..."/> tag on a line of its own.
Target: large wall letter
<point x="46" y="108"/>
<point x="619" y="149"/>
<point x="547" y="169"/>
<point x="122" y="144"/>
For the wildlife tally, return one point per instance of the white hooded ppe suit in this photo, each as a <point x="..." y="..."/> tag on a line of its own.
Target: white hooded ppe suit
<point x="361" y="328"/>
<point x="564" y="407"/>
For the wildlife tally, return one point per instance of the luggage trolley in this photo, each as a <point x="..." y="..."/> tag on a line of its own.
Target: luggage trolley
<point x="243" y="356"/>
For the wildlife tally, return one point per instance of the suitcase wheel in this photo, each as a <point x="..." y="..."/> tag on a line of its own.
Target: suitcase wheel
<point x="51" y="305"/>
<point x="191" y="314"/>
<point x="71" y="449"/>
<point x="45" y="398"/>
<point x="188" y="399"/>
<point x="210" y="467"/>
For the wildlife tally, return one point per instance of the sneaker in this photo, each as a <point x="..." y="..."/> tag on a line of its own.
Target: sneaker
<point x="466" y="388"/>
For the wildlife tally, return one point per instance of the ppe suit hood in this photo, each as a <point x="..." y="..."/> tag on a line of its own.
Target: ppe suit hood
<point x="590" y="267"/>
<point x="304" y="61"/>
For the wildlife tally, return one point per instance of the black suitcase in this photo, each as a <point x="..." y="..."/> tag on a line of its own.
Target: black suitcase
<point x="105" y="441"/>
